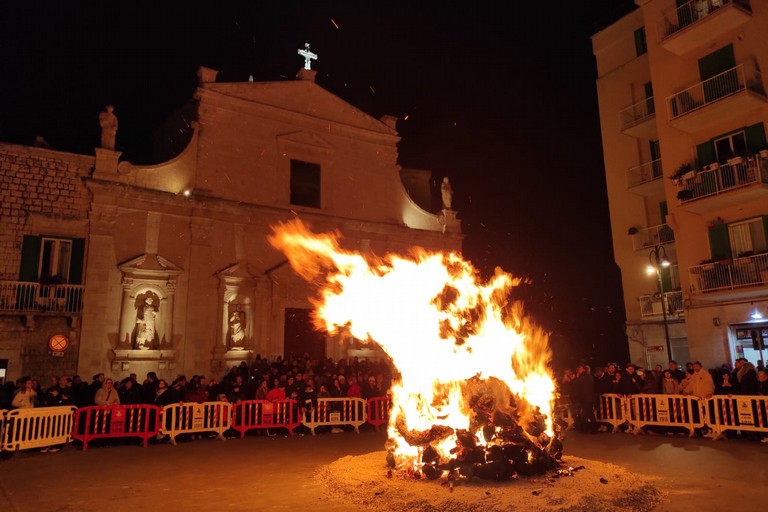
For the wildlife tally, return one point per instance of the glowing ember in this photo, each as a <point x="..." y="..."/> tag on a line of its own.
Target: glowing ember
<point x="474" y="392"/>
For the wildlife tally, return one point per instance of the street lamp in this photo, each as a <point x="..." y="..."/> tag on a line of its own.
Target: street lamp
<point x="658" y="260"/>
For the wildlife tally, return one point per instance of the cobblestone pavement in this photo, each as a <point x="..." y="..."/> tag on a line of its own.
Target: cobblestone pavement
<point x="276" y="473"/>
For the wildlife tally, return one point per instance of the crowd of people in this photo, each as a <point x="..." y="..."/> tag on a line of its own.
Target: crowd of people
<point x="302" y="379"/>
<point x="582" y="387"/>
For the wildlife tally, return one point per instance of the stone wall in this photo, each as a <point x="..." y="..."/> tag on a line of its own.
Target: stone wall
<point x="37" y="183"/>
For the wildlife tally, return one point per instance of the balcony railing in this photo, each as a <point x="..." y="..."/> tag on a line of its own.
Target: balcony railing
<point x="727" y="83"/>
<point x="25" y="297"/>
<point x="718" y="179"/>
<point x="650" y="237"/>
<point x="691" y="12"/>
<point x="728" y="275"/>
<point x="644" y="173"/>
<point x="650" y="305"/>
<point x="636" y="114"/>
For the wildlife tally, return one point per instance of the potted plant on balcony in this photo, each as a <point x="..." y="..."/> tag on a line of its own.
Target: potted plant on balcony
<point x="682" y="170"/>
<point x="633" y="230"/>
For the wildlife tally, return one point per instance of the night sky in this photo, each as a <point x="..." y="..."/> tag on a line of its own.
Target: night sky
<point x="499" y="98"/>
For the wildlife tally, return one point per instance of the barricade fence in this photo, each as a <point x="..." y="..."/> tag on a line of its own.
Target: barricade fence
<point x="263" y="414"/>
<point x="335" y="412"/>
<point x="195" y="418"/>
<point x="22" y="429"/>
<point x="378" y="411"/>
<point x="113" y="421"/>
<point x="37" y="428"/>
<point x="745" y="413"/>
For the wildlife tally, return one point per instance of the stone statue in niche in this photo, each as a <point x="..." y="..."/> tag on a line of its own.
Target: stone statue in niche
<point x="236" y="332"/>
<point x="446" y="191"/>
<point x="108" y="123"/>
<point x="145" y="336"/>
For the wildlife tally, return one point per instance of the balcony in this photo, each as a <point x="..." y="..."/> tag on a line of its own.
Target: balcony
<point x="699" y="22"/>
<point x="730" y="94"/>
<point x="25" y="298"/>
<point x="645" y="179"/>
<point x="650" y="305"/>
<point x="745" y="272"/>
<point x="738" y="181"/>
<point x="647" y="238"/>
<point x="639" y="120"/>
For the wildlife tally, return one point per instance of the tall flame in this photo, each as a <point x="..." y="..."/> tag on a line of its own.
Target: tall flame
<point x="443" y="329"/>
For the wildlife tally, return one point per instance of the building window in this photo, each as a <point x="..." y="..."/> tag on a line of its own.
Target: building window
<point x="641" y="45"/>
<point x="55" y="258"/>
<point x="747" y="237"/>
<point x="730" y="146"/>
<point x="305" y="184"/>
<point x="47" y="259"/>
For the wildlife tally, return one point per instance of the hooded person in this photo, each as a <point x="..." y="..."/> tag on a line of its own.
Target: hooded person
<point x="746" y="377"/>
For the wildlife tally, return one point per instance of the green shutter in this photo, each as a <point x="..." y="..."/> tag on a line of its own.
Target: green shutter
<point x="719" y="242"/>
<point x="706" y="153"/>
<point x="30" y="258"/>
<point x="77" y="261"/>
<point x="666" y="278"/>
<point x="664" y="211"/>
<point x="716" y="62"/>
<point x="755" y="137"/>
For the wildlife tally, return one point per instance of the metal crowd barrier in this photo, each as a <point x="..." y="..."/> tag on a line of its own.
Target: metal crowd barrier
<point x="612" y="409"/>
<point x="251" y="414"/>
<point x="194" y="418"/>
<point x="37" y="428"/>
<point x="111" y="421"/>
<point x="378" y="411"/>
<point x="666" y="411"/>
<point x="745" y="413"/>
<point x="336" y="412"/>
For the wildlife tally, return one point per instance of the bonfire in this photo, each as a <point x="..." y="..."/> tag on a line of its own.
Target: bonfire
<point x="473" y="394"/>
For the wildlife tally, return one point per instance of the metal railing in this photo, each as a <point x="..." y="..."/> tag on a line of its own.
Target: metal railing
<point x="635" y="114"/>
<point x="729" y="275"/>
<point x="21" y="296"/>
<point x="737" y="173"/>
<point x="653" y="236"/>
<point x="644" y="173"/>
<point x="727" y="83"/>
<point x="689" y="13"/>
<point x="650" y="305"/>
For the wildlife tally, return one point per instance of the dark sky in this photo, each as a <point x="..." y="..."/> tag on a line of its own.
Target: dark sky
<point x="500" y="98"/>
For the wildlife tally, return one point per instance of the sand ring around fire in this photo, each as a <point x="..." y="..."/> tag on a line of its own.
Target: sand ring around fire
<point x="362" y="481"/>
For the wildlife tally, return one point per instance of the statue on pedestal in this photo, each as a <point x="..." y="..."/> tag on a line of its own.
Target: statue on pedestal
<point x="108" y="123"/>
<point x="446" y="191"/>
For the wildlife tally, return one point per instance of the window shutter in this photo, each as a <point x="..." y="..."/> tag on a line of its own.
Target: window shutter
<point x="705" y="153"/>
<point x="77" y="260"/>
<point x="719" y="242"/>
<point x="30" y="258"/>
<point x="755" y="137"/>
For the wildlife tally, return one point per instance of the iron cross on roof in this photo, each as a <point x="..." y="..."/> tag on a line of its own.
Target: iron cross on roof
<point x="308" y="56"/>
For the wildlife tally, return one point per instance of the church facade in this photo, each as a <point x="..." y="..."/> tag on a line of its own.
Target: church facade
<point x="167" y="267"/>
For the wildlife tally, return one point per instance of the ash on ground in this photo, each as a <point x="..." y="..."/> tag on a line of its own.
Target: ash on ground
<point x="365" y="482"/>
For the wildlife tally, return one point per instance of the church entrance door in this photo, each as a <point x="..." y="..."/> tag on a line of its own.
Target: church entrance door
<point x="301" y="336"/>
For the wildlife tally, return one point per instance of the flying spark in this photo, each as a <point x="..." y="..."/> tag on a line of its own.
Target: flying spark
<point x="335" y="24"/>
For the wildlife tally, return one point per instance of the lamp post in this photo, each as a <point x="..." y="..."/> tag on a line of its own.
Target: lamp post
<point x="658" y="260"/>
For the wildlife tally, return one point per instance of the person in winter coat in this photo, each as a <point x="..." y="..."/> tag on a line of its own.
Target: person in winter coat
<point x="746" y="377"/>
<point x="107" y="394"/>
<point x="669" y="384"/>
<point x="701" y="383"/>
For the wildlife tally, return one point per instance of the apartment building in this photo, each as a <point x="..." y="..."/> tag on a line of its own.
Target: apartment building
<point x="683" y="109"/>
